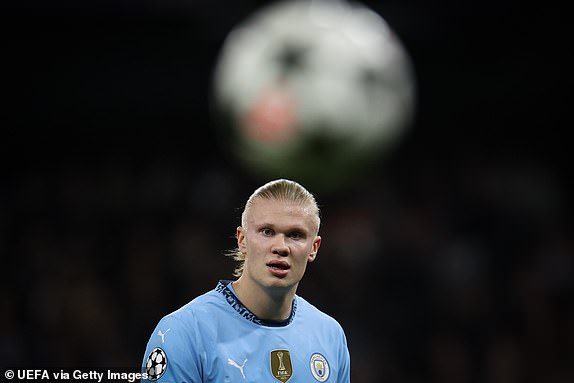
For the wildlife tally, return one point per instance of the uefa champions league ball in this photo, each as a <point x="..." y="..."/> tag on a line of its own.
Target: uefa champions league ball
<point x="312" y="90"/>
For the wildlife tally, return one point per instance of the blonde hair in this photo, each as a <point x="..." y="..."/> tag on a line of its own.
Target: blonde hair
<point x="281" y="190"/>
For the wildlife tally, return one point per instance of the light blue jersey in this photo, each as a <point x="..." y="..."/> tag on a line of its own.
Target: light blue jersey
<point x="214" y="338"/>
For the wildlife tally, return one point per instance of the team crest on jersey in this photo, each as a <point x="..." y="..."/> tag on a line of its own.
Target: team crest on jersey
<point x="281" y="367"/>
<point x="156" y="364"/>
<point x="319" y="367"/>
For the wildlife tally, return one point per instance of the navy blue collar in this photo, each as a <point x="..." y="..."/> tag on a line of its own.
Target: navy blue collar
<point x="224" y="287"/>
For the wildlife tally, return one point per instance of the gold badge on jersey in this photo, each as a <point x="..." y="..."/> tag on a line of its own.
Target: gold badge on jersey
<point x="281" y="367"/>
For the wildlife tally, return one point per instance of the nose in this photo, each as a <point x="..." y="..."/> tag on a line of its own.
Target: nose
<point x="279" y="246"/>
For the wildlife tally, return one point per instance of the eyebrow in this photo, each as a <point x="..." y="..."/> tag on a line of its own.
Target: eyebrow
<point x="289" y="228"/>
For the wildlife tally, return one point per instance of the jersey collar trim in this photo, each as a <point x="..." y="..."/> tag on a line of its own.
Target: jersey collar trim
<point x="223" y="288"/>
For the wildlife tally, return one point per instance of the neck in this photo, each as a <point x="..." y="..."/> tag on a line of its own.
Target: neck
<point x="265" y="303"/>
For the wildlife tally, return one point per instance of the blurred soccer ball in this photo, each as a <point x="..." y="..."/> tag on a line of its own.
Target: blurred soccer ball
<point x="313" y="90"/>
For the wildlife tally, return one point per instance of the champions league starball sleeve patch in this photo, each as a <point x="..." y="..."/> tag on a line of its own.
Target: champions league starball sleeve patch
<point x="156" y="364"/>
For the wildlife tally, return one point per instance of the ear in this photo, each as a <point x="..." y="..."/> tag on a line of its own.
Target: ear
<point x="314" y="249"/>
<point x="241" y="240"/>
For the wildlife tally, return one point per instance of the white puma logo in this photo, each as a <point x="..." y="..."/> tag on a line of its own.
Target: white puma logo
<point x="234" y="364"/>
<point x="162" y="334"/>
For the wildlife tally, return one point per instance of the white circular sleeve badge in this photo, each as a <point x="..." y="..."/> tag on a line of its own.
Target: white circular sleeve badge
<point x="156" y="364"/>
<point x="319" y="367"/>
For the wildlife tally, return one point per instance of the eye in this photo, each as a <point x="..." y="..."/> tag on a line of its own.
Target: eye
<point x="296" y="235"/>
<point x="267" y="232"/>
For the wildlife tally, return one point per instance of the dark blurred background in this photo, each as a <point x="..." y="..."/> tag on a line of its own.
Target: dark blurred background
<point x="452" y="261"/>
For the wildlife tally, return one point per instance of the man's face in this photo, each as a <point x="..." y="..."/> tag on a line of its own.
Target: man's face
<point x="278" y="240"/>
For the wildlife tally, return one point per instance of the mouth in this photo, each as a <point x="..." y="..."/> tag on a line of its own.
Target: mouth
<point x="278" y="268"/>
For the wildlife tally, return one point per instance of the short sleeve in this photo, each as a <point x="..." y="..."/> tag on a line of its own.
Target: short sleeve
<point x="171" y="354"/>
<point x="344" y="360"/>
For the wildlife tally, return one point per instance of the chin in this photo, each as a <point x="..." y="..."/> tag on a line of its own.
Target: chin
<point x="281" y="283"/>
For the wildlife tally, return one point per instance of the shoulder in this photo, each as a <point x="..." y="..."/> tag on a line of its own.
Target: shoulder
<point x="307" y="308"/>
<point x="184" y="325"/>
<point x="193" y="313"/>
<point x="174" y="349"/>
<point x="311" y="314"/>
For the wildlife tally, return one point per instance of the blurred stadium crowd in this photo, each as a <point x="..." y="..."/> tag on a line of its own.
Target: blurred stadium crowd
<point x="464" y="277"/>
<point x="453" y="261"/>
